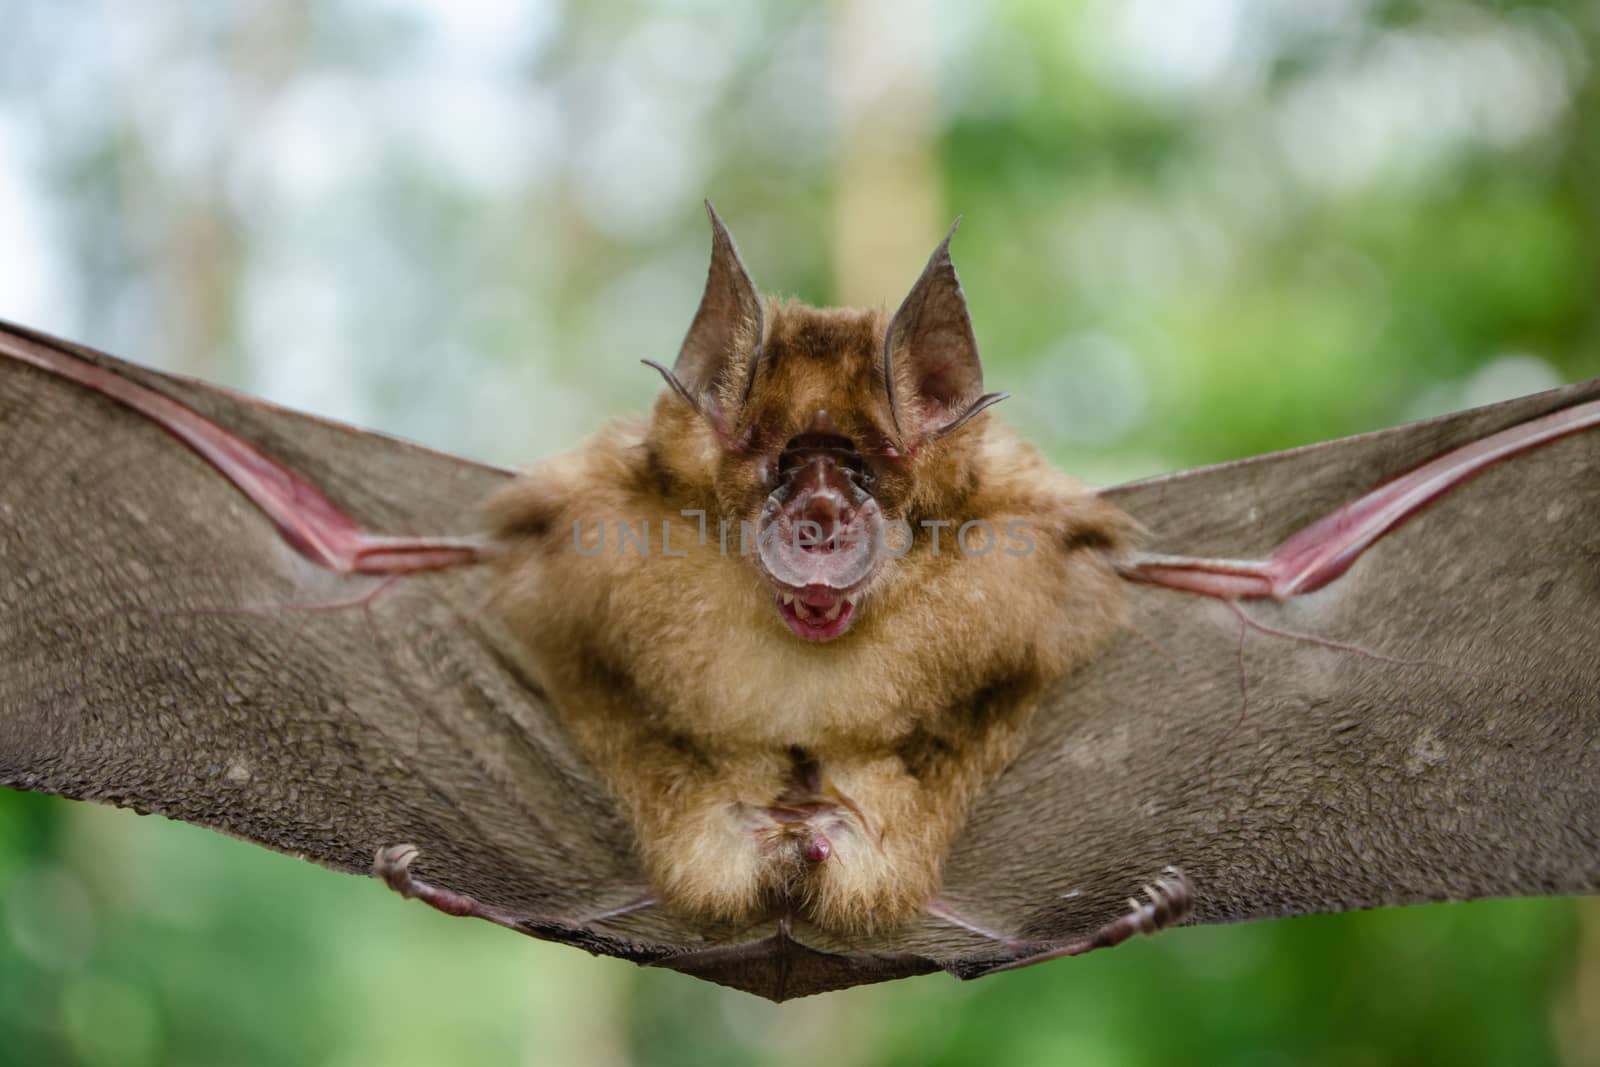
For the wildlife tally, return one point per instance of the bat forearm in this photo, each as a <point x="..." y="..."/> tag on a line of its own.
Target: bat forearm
<point x="1322" y="551"/>
<point x="307" y="519"/>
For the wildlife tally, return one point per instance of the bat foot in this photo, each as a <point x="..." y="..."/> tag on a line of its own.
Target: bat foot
<point x="1168" y="901"/>
<point x="1165" y="902"/>
<point x="392" y="863"/>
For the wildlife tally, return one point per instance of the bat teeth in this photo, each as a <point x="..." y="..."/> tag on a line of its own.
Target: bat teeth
<point x="833" y="612"/>
<point x="787" y="598"/>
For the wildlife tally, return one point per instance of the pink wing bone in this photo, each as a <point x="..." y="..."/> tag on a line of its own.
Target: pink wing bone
<point x="312" y="524"/>
<point x="1322" y="551"/>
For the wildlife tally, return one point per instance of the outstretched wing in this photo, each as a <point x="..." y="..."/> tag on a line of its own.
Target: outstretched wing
<point x="1425" y="727"/>
<point x="166" y="644"/>
<point x="164" y="647"/>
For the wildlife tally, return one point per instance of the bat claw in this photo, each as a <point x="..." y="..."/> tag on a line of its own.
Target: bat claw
<point x="392" y="863"/>
<point x="1168" y="901"/>
<point x="1171" y="899"/>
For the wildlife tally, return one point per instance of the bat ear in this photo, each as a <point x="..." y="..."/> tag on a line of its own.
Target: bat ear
<point x="716" y="366"/>
<point x="930" y="355"/>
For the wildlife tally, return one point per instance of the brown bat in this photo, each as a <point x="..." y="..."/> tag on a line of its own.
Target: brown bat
<point x="789" y="746"/>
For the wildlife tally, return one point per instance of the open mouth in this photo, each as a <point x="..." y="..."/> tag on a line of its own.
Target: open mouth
<point x="816" y="614"/>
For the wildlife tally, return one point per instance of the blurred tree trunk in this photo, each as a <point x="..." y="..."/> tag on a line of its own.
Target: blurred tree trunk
<point x="887" y="200"/>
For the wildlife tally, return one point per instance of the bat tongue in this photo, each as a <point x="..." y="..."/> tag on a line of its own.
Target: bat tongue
<point x="819" y="531"/>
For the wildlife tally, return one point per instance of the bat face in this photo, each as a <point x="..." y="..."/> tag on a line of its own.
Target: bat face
<point x="834" y="430"/>
<point x="811" y="472"/>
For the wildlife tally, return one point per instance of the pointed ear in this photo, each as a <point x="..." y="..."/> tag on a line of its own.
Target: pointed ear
<point x="725" y="337"/>
<point x="930" y="352"/>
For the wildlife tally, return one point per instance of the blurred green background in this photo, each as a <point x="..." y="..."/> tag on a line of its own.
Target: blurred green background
<point x="1194" y="230"/>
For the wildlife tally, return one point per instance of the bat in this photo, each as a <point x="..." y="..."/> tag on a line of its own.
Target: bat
<point x="1350" y="675"/>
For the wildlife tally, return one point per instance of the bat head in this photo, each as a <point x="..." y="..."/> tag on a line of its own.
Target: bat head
<point x="825" y="434"/>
